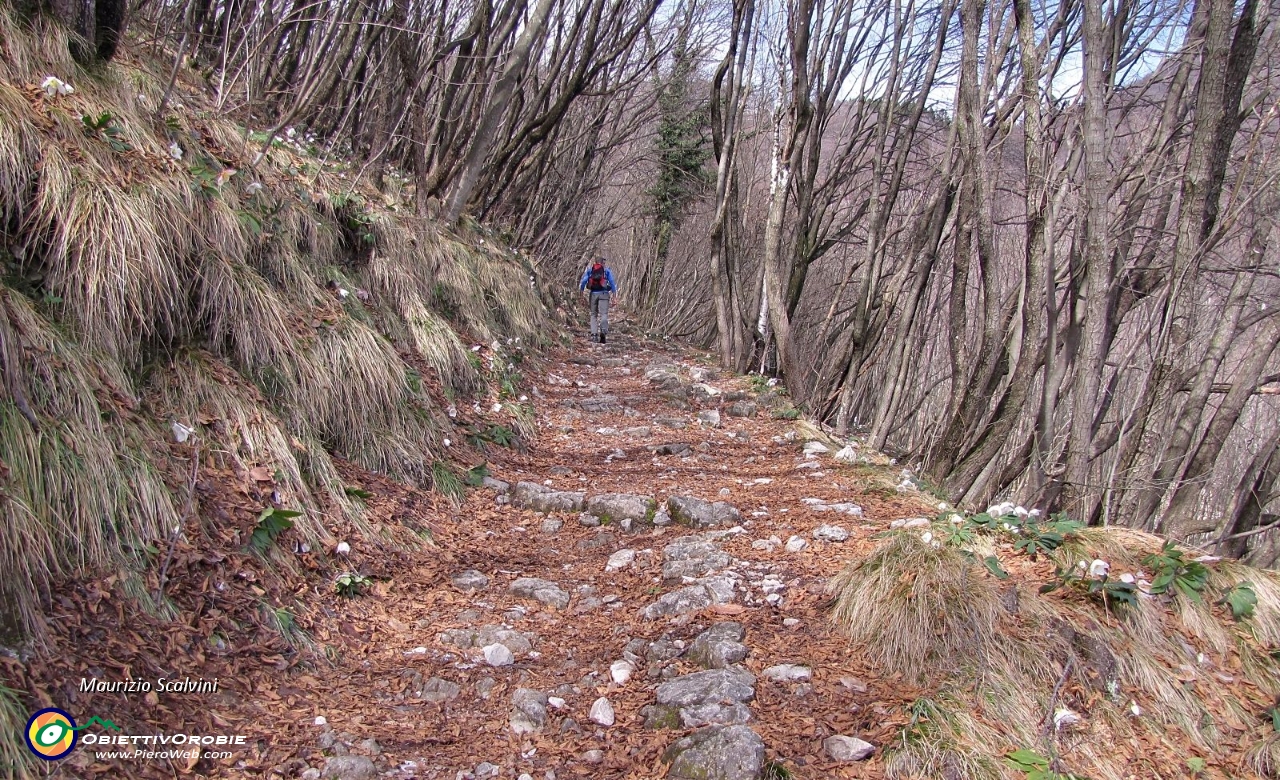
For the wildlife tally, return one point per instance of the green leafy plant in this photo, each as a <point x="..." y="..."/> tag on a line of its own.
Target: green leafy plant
<point x="500" y="435"/>
<point x="790" y="413"/>
<point x="1241" y="600"/>
<point x="445" y="481"/>
<point x="476" y="474"/>
<point x="1103" y="589"/>
<point x="1036" y="766"/>
<point x="1196" y="765"/>
<point x="1174" y="572"/>
<point x="1033" y="539"/>
<point x="993" y="565"/>
<point x="356" y="492"/>
<point x="104" y="127"/>
<point x="350" y="584"/>
<point x="271" y="523"/>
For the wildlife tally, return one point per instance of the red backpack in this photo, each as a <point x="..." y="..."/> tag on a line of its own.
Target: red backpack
<point x="596" y="281"/>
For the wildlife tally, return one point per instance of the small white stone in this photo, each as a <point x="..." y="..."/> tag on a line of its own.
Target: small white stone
<point x="796" y="544"/>
<point x="789" y="622"/>
<point x="342" y="549"/>
<point x="602" y="712"/>
<point x="1064" y="717"/>
<point x="498" y="655"/>
<point x="556" y="701"/>
<point x="620" y="560"/>
<point x="788" y="673"/>
<point x="182" y="432"/>
<point x="621" y="671"/>
<point x="843" y="748"/>
<point x="321" y="720"/>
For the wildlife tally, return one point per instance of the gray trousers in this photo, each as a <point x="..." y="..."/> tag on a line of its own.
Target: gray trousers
<point x="599" y="303"/>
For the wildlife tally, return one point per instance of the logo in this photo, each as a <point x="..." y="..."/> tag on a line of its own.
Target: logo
<point x="51" y="734"/>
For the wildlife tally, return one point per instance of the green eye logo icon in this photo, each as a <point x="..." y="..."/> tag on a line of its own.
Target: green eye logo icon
<point x="51" y="733"/>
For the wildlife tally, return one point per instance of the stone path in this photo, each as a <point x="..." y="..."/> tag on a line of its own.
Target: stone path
<point x="637" y="596"/>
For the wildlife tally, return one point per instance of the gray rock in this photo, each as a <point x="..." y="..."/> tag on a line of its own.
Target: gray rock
<point x="788" y="673"/>
<point x="715" y="686"/>
<point x="843" y="748"/>
<point x="310" y="773"/>
<point x="718" y="647"/>
<point x="721" y="587"/>
<point x="600" y="403"/>
<point x="703" y="391"/>
<point x="601" y="539"/>
<point x="470" y="580"/>
<point x="467" y="638"/>
<point x="709" y="417"/>
<point x="717" y="753"/>
<point x="844" y="508"/>
<point x="327" y="740"/>
<point x="593" y="756"/>
<point x="371" y="745"/>
<point x="661" y="518"/>
<point x="484" y="770"/>
<point x="349" y="768"/>
<point x="497" y="485"/>
<point x="528" y="711"/>
<point x="830" y="533"/>
<point x="484" y="687"/>
<point x="741" y="409"/>
<point x="663" y="650"/>
<point x="544" y="591"/>
<point x="438" y="689"/>
<point x="697" y="513"/>
<point x="540" y="498"/>
<point x="552" y="525"/>
<point x="616" y="507"/>
<point x="671" y="422"/>
<point x="660" y="717"/>
<point x="665" y="378"/>
<point x="796" y="544"/>
<point x="620" y="560"/>
<point x="707" y="714"/>
<point x="679" y="602"/>
<point x="672" y="448"/>
<point x="692" y="556"/>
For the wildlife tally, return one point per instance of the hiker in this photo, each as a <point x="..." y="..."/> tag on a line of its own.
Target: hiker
<point x="597" y="284"/>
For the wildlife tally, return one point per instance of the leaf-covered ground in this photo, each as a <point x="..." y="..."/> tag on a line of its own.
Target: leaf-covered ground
<point x="307" y="673"/>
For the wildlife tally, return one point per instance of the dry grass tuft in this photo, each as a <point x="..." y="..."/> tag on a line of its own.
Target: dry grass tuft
<point x="920" y="612"/>
<point x="945" y="740"/>
<point x="910" y="606"/>
<point x="199" y="392"/>
<point x="212" y="283"/>
<point x="16" y="762"/>
<point x="85" y="487"/>
<point x="1263" y="757"/>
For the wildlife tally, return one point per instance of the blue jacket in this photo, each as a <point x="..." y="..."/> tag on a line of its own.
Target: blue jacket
<point x="608" y="280"/>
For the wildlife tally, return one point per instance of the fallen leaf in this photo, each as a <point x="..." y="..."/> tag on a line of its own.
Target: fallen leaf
<point x="261" y="474"/>
<point x="728" y="609"/>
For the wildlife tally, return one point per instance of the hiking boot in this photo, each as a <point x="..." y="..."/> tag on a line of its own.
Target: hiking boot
<point x="602" y="337"/>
